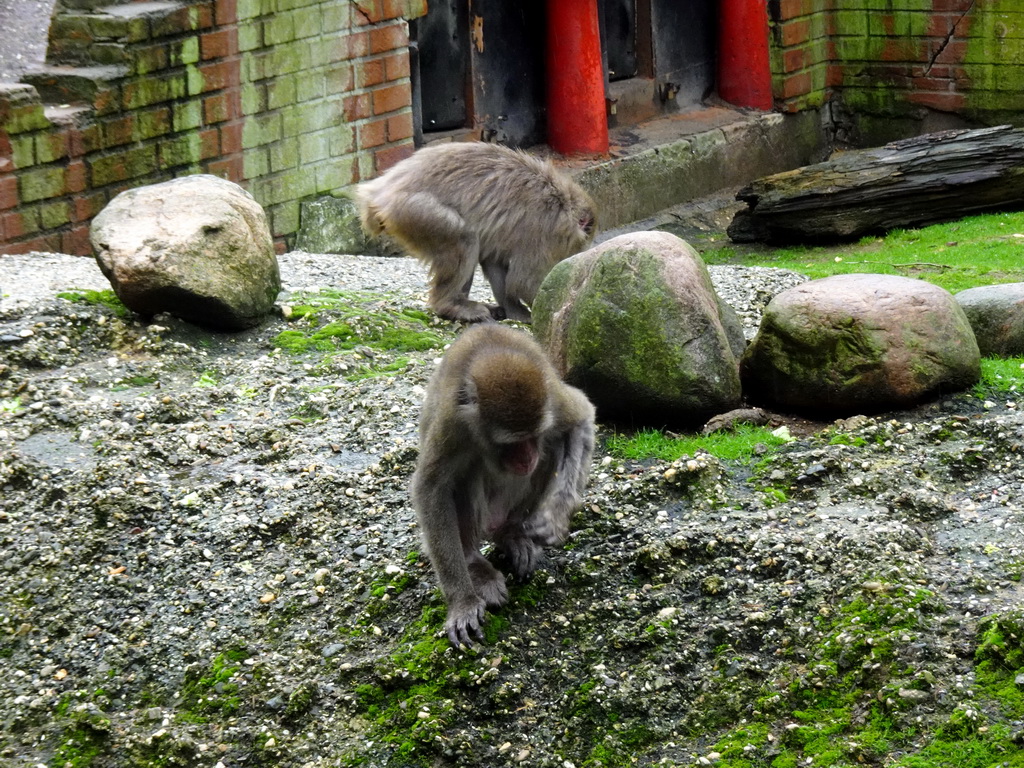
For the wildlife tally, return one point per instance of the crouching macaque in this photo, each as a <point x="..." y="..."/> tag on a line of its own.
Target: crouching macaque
<point x="457" y="205"/>
<point x="505" y="451"/>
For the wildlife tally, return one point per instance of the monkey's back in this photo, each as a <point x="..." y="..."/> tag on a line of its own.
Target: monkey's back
<point x="514" y="203"/>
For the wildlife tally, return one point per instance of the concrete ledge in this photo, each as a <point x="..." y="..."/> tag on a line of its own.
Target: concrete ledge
<point x="671" y="160"/>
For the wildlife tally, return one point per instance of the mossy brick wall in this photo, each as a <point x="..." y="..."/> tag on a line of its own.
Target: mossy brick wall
<point x="290" y="98"/>
<point x="895" y="59"/>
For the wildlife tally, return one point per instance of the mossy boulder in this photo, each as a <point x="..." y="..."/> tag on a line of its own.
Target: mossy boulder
<point x="996" y="313"/>
<point x="635" y="322"/>
<point x="853" y="343"/>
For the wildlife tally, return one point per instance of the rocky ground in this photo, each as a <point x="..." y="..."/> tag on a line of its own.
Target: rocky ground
<point x="208" y="558"/>
<point x="25" y="49"/>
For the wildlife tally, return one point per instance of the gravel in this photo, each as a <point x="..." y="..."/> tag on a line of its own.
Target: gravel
<point x="208" y="558"/>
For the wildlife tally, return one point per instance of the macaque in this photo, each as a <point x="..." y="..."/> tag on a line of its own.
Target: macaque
<point x="457" y="205"/>
<point x="505" y="452"/>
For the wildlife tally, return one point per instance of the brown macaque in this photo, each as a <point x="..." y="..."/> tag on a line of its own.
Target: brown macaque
<point x="505" y="452"/>
<point x="460" y="204"/>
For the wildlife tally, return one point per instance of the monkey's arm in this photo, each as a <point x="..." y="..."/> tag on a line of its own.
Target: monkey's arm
<point x="572" y="451"/>
<point x="446" y="535"/>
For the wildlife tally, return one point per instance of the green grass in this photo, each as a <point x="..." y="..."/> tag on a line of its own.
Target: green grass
<point x="980" y="250"/>
<point x="106" y="299"/>
<point x="726" y="445"/>
<point x="1000" y="376"/>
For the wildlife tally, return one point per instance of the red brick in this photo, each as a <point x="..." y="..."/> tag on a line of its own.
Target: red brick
<point x="391" y="98"/>
<point x="6" y="150"/>
<point x="221" y="74"/>
<point x="794" y="59"/>
<point x="226" y="12"/>
<point x="369" y="73"/>
<point x="209" y="143"/>
<point x="76" y="241"/>
<point x="393" y="9"/>
<point x="368" y="11"/>
<point x="796" y="32"/>
<point x="944" y="102"/>
<point x="230" y="168"/>
<point x="388" y="38"/>
<point x="952" y="5"/>
<point x="357" y="43"/>
<point x="84" y="207"/>
<point x="8" y="192"/>
<point x="358" y="106"/>
<point x="940" y="25"/>
<point x="834" y="76"/>
<point x="74" y="177"/>
<point x="373" y="134"/>
<point x="218" y="44"/>
<point x="215" y="108"/>
<point x="931" y="84"/>
<point x="231" y="138"/>
<point x="400" y="127"/>
<point x="790" y="9"/>
<point x="385" y="158"/>
<point x="797" y="85"/>
<point x="953" y="53"/>
<point x="396" y="66"/>
<point x="896" y="49"/>
<point x="120" y="130"/>
<point x="13" y="224"/>
<point x="83" y="141"/>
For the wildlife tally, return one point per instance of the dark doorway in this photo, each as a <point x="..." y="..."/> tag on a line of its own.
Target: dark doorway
<point x="619" y="37"/>
<point x="442" y="38"/>
<point x="684" y="38"/>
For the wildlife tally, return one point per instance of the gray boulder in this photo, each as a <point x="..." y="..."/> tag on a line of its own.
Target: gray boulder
<point x="198" y="248"/>
<point x="636" y="324"/>
<point x="331" y="225"/>
<point x="996" y="313"/>
<point x="852" y="343"/>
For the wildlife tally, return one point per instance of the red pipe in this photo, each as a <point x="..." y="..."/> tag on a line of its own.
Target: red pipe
<point x="744" y="74"/>
<point x="577" y="117"/>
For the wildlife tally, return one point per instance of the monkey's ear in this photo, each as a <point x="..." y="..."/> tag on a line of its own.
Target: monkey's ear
<point x="467" y="394"/>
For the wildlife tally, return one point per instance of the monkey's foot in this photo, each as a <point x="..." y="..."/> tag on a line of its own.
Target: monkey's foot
<point x="466" y="311"/>
<point x="524" y="555"/>
<point x="465" y="618"/>
<point x="514" y="310"/>
<point x="489" y="583"/>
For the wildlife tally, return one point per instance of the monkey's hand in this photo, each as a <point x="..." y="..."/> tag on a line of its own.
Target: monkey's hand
<point x="550" y="528"/>
<point x="524" y="554"/>
<point x="465" y="618"/>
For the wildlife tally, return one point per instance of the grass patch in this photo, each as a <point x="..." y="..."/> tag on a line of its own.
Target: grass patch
<point x="979" y="250"/>
<point x="106" y="299"/>
<point x="733" y="445"/>
<point x="1000" y="376"/>
<point x="342" y="320"/>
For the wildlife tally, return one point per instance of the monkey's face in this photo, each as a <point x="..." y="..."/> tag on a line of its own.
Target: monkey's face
<point x="520" y="458"/>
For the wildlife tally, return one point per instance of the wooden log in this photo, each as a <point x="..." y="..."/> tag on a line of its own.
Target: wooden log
<point x="908" y="183"/>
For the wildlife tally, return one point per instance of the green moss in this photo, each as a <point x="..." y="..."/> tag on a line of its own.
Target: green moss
<point x="106" y="299"/>
<point x="357" y="332"/>
<point x="213" y="692"/>
<point x="731" y="445"/>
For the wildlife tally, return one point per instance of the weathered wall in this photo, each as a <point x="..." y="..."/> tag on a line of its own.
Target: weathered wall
<point x="896" y="67"/>
<point x="291" y="98"/>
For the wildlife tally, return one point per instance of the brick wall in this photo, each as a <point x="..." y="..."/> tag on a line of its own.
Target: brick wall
<point x="894" y="64"/>
<point x="291" y="98"/>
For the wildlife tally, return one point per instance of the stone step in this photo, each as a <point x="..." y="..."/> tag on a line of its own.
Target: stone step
<point x="100" y="35"/>
<point x="72" y="85"/>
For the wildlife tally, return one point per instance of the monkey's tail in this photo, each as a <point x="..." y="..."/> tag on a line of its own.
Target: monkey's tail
<point x="369" y="215"/>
